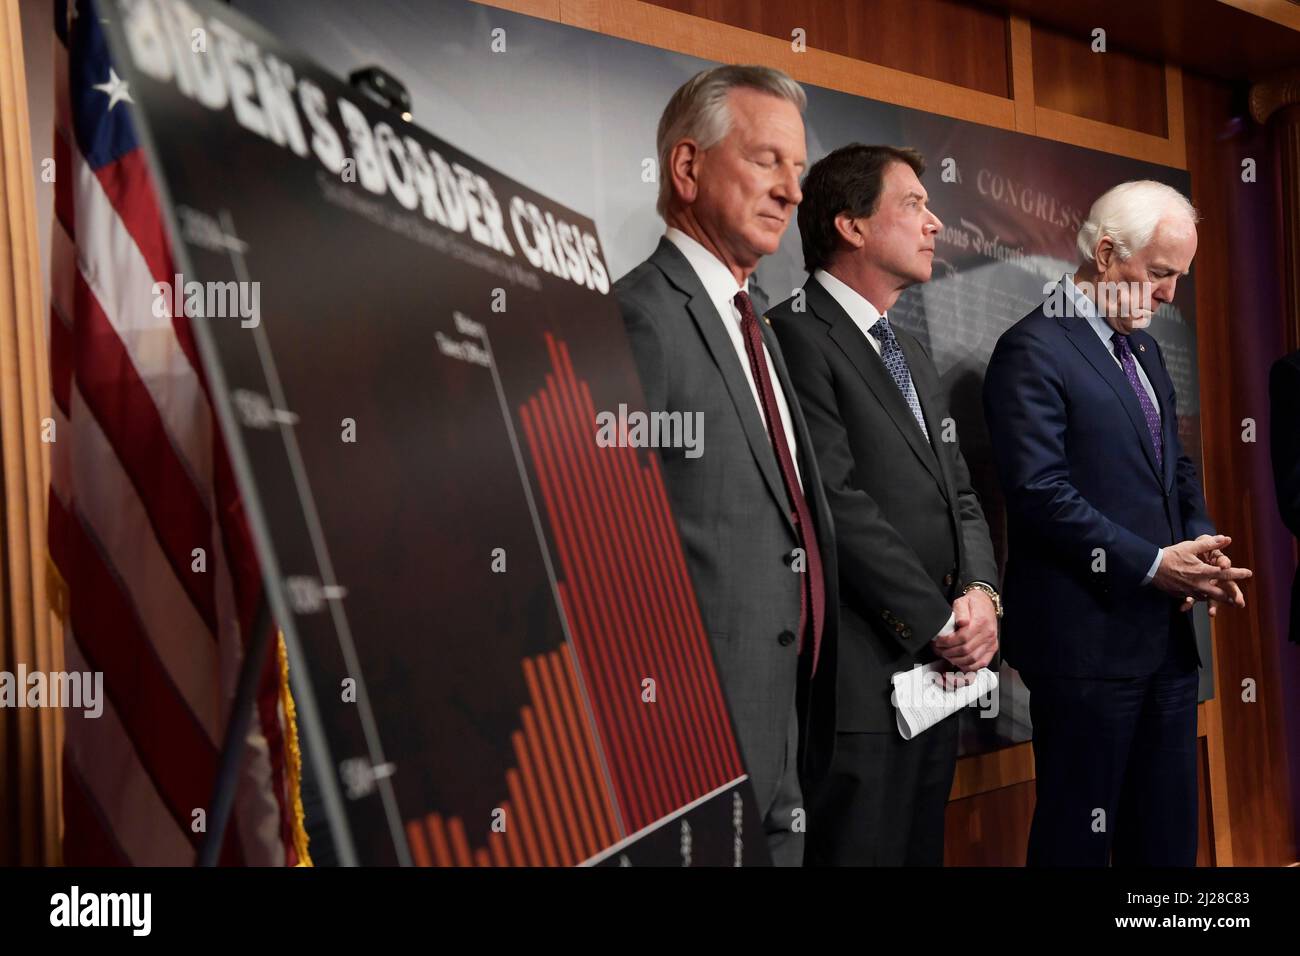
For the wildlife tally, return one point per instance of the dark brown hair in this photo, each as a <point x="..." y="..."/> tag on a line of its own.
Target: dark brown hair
<point x="848" y="179"/>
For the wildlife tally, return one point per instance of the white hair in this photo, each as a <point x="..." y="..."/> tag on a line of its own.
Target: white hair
<point x="698" y="111"/>
<point x="1129" y="213"/>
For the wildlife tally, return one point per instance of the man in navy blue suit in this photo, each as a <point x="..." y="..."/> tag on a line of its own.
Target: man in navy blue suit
<point x="1109" y="544"/>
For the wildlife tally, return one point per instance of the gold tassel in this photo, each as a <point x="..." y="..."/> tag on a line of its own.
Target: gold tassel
<point x="293" y="755"/>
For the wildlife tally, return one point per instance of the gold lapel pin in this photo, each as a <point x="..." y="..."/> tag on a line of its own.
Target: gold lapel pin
<point x="767" y="320"/>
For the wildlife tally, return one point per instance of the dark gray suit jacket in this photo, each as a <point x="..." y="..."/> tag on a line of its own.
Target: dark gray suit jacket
<point x="733" y="515"/>
<point x="909" y="526"/>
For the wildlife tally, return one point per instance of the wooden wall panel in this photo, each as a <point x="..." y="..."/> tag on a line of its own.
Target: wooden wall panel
<point x="1234" y="347"/>
<point x="942" y="39"/>
<point x="1205" y="848"/>
<point x="645" y="22"/>
<point x="990" y="828"/>
<point x="1112" y="87"/>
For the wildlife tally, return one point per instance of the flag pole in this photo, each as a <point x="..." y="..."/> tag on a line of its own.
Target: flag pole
<point x="232" y="749"/>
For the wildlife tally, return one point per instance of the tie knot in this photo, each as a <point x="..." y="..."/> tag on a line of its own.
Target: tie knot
<point x="745" y="306"/>
<point x="1121" y="345"/>
<point x="882" y="331"/>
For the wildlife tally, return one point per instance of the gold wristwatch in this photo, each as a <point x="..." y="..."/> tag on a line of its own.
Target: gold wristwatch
<point x="993" y="595"/>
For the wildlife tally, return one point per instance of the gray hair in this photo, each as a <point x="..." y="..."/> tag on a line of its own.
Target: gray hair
<point x="1129" y="213"/>
<point x="698" y="111"/>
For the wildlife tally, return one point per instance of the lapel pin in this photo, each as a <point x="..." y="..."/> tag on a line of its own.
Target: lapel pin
<point x="767" y="320"/>
<point x="1141" y="347"/>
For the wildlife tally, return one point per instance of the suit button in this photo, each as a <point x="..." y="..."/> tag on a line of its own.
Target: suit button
<point x="948" y="579"/>
<point x="785" y="638"/>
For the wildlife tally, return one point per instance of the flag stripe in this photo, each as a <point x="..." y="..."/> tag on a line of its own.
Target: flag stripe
<point x="107" y="502"/>
<point x="63" y="268"/>
<point x="65" y="209"/>
<point x="173" y="749"/>
<point x="116" y="396"/>
<point x="61" y="359"/>
<point x="115" y="270"/>
<point x="87" y="836"/>
<point x="108" y="767"/>
<point x="127" y="188"/>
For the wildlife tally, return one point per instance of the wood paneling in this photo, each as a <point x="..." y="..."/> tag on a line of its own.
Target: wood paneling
<point x="1230" y="39"/>
<point x="1020" y="34"/>
<point x="655" y="25"/>
<point x="991" y="828"/>
<point x="30" y="738"/>
<point x="1112" y="87"/>
<point x="990" y="771"/>
<point x="942" y="39"/>
<point x="684" y="33"/>
<point x="1235" y="276"/>
<point x="1205" y="846"/>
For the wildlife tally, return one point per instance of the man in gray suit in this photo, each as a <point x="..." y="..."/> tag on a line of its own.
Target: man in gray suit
<point x="751" y="512"/>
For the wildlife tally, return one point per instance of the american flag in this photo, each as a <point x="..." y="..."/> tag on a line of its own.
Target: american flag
<point x="160" y="584"/>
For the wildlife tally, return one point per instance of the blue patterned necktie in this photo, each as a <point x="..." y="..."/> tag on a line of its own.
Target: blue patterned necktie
<point x="1125" y="355"/>
<point x="891" y="353"/>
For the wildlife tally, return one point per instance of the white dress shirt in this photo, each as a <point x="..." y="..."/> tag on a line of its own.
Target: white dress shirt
<point x="862" y="312"/>
<point x="1085" y="307"/>
<point x="722" y="287"/>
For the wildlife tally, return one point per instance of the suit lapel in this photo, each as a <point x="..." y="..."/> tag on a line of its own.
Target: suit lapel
<point x="678" y="270"/>
<point x="871" y="367"/>
<point x="1099" y="357"/>
<point x="919" y="365"/>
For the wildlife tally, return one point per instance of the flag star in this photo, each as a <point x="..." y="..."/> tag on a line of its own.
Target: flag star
<point x="115" y="87"/>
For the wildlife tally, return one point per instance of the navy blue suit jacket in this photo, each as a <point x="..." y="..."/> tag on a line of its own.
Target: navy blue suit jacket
<point x="1087" y="506"/>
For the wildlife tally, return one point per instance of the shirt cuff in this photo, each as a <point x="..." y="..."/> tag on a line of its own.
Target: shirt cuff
<point x="948" y="628"/>
<point x="1155" y="566"/>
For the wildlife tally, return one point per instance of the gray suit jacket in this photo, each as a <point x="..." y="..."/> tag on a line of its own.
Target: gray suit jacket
<point x="732" y="512"/>
<point x="909" y="525"/>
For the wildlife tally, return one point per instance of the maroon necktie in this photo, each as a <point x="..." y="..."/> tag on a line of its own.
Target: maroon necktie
<point x="813" y="593"/>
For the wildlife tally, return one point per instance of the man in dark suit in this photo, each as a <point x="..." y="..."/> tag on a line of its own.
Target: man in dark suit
<point x="916" y="563"/>
<point x="1284" y="392"/>
<point x="752" y="517"/>
<point x="1109" y="543"/>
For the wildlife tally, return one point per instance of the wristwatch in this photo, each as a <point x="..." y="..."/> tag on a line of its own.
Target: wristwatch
<point x="993" y="595"/>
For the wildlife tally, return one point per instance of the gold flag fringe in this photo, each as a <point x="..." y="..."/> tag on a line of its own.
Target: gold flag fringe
<point x="292" y="755"/>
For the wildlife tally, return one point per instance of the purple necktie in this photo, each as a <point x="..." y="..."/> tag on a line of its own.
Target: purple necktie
<point x="1149" y="411"/>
